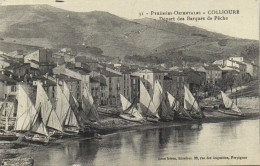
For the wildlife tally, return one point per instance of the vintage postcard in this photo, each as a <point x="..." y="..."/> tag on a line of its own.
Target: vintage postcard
<point x="129" y="82"/>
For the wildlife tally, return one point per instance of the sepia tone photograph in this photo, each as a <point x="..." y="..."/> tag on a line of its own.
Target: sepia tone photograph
<point x="131" y="83"/>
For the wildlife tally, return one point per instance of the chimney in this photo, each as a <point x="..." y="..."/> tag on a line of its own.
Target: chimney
<point x="10" y="76"/>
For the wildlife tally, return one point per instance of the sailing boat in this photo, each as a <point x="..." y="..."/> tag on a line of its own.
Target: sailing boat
<point x="130" y="112"/>
<point x="88" y="115"/>
<point x="228" y="106"/>
<point x="147" y="105"/>
<point x="29" y="123"/>
<point x="49" y="115"/>
<point x="6" y="134"/>
<point x="71" y="124"/>
<point x="89" y="110"/>
<point x="161" y="103"/>
<point x="179" y="112"/>
<point x="191" y="105"/>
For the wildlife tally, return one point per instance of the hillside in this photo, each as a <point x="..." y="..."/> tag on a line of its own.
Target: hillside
<point x="47" y="26"/>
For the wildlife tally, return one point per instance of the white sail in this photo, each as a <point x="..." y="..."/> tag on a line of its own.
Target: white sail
<point x="49" y="115"/>
<point x="157" y="94"/>
<point x="43" y="103"/>
<point x="26" y="112"/>
<point x="89" y="111"/>
<point x="28" y="118"/>
<point x="146" y="100"/>
<point x="71" y="119"/>
<point x="62" y="105"/>
<point x="133" y="111"/>
<point x="125" y="103"/>
<point x="39" y="126"/>
<point x="173" y="102"/>
<point x="189" y="101"/>
<point x="229" y="103"/>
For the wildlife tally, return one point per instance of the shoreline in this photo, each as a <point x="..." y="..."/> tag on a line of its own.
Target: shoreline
<point x="113" y="125"/>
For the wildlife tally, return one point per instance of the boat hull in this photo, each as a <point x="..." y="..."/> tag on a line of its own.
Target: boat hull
<point x="129" y="118"/>
<point x="71" y="130"/>
<point x="36" y="140"/>
<point x="154" y="120"/>
<point x="229" y="112"/>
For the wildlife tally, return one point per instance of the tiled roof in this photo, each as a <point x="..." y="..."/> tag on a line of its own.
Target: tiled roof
<point x="212" y="67"/>
<point x="109" y="74"/>
<point x="66" y="78"/>
<point x="17" y="65"/>
<point x="81" y="71"/>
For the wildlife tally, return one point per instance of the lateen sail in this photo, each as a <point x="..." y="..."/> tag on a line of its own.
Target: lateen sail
<point x="157" y="94"/>
<point x="161" y="102"/>
<point x="173" y="102"/>
<point x="175" y="105"/>
<point x="89" y="112"/>
<point x="39" y="126"/>
<point x="49" y="115"/>
<point x="229" y="103"/>
<point x="132" y="111"/>
<point x="62" y="105"/>
<point x="189" y="101"/>
<point x="26" y="111"/>
<point x="28" y="119"/>
<point x="71" y="119"/>
<point x="146" y="101"/>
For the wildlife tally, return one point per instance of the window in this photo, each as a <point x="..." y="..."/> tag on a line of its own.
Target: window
<point x="110" y="80"/>
<point x="159" y="77"/>
<point x="143" y="76"/>
<point x="13" y="88"/>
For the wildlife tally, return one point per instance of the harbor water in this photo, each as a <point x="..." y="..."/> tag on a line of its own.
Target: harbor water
<point x="235" y="142"/>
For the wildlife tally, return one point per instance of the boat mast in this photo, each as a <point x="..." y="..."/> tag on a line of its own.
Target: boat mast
<point x="6" y="119"/>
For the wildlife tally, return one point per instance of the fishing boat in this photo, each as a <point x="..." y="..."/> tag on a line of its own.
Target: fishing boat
<point x="29" y="122"/>
<point x="161" y="103"/>
<point x="130" y="112"/>
<point x="49" y="113"/>
<point x="179" y="112"/>
<point x="88" y="115"/>
<point x="71" y="124"/>
<point x="147" y="106"/>
<point x="228" y="106"/>
<point x="191" y="105"/>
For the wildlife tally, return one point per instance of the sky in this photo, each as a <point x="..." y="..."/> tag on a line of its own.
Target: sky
<point x="244" y="25"/>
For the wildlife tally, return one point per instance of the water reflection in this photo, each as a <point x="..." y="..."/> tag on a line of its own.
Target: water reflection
<point x="144" y="147"/>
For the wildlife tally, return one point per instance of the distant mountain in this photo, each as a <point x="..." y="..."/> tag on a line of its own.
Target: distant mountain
<point x="47" y="26"/>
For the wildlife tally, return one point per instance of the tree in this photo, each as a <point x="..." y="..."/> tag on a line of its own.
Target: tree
<point x="227" y="81"/>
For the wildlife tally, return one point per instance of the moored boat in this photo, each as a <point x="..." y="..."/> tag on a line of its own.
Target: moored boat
<point x="178" y="110"/>
<point x="29" y="122"/>
<point x="228" y="106"/>
<point x="191" y="105"/>
<point x="161" y="103"/>
<point x="147" y="106"/>
<point x="130" y="111"/>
